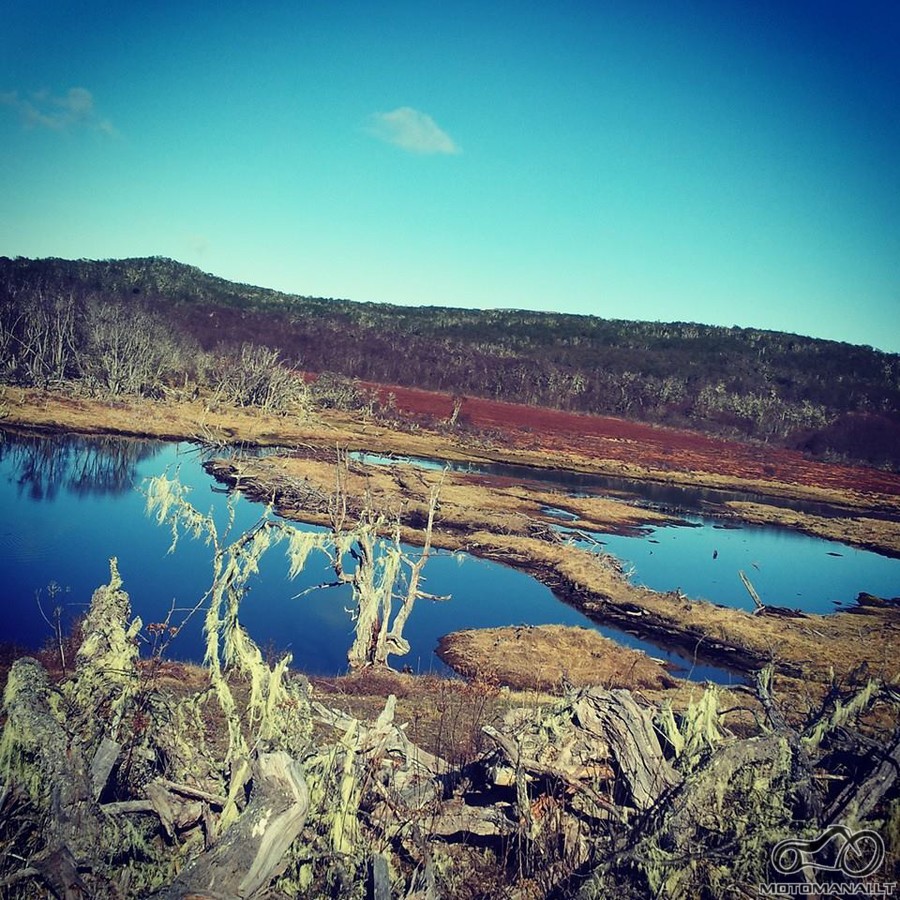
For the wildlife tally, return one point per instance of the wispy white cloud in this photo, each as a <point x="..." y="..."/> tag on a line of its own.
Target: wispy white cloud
<point x="74" y="109"/>
<point x="411" y="130"/>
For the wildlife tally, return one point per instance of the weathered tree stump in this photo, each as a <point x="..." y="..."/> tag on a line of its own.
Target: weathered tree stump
<point x="252" y="851"/>
<point x="599" y="736"/>
<point x="643" y="773"/>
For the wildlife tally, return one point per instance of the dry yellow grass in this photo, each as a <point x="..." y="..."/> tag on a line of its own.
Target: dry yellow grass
<point x="190" y="419"/>
<point x="814" y="645"/>
<point x="859" y="530"/>
<point x="508" y="524"/>
<point x="549" y="657"/>
<point x="467" y="504"/>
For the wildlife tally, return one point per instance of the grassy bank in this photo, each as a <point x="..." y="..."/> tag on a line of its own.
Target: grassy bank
<point x="185" y="418"/>
<point x="509" y="523"/>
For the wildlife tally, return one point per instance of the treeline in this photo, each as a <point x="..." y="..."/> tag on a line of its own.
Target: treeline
<point x="826" y="397"/>
<point x="97" y="344"/>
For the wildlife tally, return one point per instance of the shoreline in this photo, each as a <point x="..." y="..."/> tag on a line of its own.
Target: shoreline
<point x="500" y="523"/>
<point x="505" y="526"/>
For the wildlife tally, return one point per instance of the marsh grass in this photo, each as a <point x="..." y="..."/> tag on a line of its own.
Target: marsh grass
<point x="552" y="658"/>
<point x="178" y="417"/>
<point x="499" y="524"/>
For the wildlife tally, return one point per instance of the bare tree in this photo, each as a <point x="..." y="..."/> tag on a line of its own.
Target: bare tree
<point x="39" y="335"/>
<point x="256" y="377"/>
<point x="458" y="400"/>
<point x="127" y="350"/>
<point x="368" y="555"/>
<point x="383" y="577"/>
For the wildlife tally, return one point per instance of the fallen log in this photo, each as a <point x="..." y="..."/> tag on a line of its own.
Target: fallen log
<point x="861" y="800"/>
<point x="716" y="823"/>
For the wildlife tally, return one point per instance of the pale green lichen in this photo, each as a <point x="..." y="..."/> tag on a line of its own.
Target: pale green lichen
<point x="344" y="826"/>
<point x="668" y="727"/>
<point x="748" y="810"/>
<point x="184" y="743"/>
<point x="167" y="501"/>
<point x="300" y="545"/>
<point x="374" y="580"/>
<point x="30" y="729"/>
<point x="841" y="715"/>
<point x="699" y="731"/>
<point x="106" y="662"/>
<point x="111" y="696"/>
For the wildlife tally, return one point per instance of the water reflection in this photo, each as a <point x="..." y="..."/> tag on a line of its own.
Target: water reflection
<point x="65" y="536"/>
<point x="82" y="466"/>
<point x="657" y="495"/>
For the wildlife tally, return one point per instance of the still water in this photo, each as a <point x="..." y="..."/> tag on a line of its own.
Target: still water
<point x="702" y="558"/>
<point x="70" y="504"/>
<point x="702" y="555"/>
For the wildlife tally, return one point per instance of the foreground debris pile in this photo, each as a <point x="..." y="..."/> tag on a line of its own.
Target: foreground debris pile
<point x="114" y="785"/>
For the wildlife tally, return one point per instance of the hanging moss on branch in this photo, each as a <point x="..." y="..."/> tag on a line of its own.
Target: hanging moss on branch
<point x="386" y="582"/>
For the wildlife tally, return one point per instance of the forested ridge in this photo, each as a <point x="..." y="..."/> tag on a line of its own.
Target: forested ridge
<point x="826" y="397"/>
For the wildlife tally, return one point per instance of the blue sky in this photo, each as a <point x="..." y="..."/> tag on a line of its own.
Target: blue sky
<point x="716" y="161"/>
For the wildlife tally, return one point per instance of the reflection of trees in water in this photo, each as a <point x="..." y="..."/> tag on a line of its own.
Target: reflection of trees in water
<point x="81" y="465"/>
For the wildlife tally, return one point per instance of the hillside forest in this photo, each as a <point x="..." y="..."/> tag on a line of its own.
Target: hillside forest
<point x="151" y="326"/>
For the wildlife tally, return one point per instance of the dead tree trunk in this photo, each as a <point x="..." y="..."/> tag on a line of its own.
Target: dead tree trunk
<point x="860" y="800"/>
<point x="599" y="741"/>
<point x="643" y="772"/>
<point x="252" y="851"/>
<point x="379" y="567"/>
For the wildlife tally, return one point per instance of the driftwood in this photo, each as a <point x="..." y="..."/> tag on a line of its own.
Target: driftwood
<point x="456" y="817"/>
<point x="586" y="774"/>
<point x="807" y="797"/>
<point x="715" y="823"/>
<point x="757" y="603"/>
<point x="251" y="852"/>
<point x="763" y="609"/>
<point x="408" y="782"/>
<point x="102" y="764"/>
<point x="599" y="740"/>
<point x="381" y="878"/>
<point x="709" y="796"/>
<point x="384" y="739"/>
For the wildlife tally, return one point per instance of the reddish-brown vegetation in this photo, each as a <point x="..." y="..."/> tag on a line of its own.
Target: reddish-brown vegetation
<point x="650" y="446"/>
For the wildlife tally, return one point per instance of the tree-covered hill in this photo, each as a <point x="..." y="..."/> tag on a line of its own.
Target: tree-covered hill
<point x="827" y="397"/>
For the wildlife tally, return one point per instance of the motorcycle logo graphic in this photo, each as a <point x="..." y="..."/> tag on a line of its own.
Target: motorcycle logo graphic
<point x="859" y="853"/>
